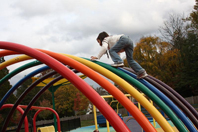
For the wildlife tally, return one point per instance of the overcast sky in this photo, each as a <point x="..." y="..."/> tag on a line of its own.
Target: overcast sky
<point x="71" y="26"/>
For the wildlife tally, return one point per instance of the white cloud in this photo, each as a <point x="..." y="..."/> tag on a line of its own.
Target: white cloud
<point x="71" y="26"/>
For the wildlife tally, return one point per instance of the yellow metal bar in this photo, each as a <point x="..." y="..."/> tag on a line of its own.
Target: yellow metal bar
<point x="95" y="118"/>
<point x="139" y="106"/>
<point x="154" y="123"/>
<point x="107" y="123"/>
<point x="117" y="107"/>
<point x="111" y="101"/>
<point x="108" y="96"/>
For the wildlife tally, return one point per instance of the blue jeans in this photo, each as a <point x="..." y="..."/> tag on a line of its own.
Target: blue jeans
<point x="125" y="43"/>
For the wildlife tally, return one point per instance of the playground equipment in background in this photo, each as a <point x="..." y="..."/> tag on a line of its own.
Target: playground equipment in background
<point x="19" y="108"/>
<point x="140" y="108"/>
<point x="61" y="82"/>
<point x="55" y="60"/>
<point x="102" y="122"/>
<point x="53" y="88"/>
<point x="46" y="129"/>
<point x="100" y="119"/>
<point x="21" y="111"/>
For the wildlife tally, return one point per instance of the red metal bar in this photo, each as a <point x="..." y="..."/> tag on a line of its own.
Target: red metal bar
<point x="21" y="111"/>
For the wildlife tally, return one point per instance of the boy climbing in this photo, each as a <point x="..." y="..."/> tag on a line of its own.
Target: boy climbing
<point x="117" y="44"/>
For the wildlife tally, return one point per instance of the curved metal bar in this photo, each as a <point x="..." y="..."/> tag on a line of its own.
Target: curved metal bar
<point x="166" y="100"/>
<point x="133" y="110"/>
<point x="57" y="117"/>
<point x="26" y="92"/>
<point x="41" y="108"/>
<point x="34" y="120"/>
<point x="34" y="100"/>
<point x="19" y="83"/>
<point x="21" y="111"/>
<point x="87" y="90"/>
<point x="147" y="129"/>
<point x="16" y="71"/>
<point x="22" y="96"/>
<point x="190" y="107"/>
<point x="165" y="125"/>
<point x="171" y="97"/>
<point x="181" y="127"/>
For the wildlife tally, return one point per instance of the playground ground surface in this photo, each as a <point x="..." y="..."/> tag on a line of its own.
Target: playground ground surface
<point x="131" y="123"/>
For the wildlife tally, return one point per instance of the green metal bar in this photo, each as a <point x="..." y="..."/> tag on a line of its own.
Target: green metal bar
<point x="53" y="102"/>
<point x="16" y="71"/>
<point x="181" y="127"/>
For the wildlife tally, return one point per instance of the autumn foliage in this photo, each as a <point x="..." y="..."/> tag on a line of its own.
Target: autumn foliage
<point x="80" y="102"/>
<point x="157" y="57"/>
<point x="68" y="98"/>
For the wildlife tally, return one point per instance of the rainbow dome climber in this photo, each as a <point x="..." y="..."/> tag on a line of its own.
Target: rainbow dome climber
<point x="178" y="110"/>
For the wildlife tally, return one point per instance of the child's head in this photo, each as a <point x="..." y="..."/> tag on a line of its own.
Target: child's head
<point x="101" y="37"/>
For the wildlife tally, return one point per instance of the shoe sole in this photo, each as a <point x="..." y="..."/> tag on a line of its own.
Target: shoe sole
<point x="118" y="66"/>
<point x="142" y="76"/>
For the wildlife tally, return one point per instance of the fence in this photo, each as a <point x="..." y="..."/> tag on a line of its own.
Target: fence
<point x="67" y="124"/>
<point x="122" y="111"/>
<point x="192" y="99"/>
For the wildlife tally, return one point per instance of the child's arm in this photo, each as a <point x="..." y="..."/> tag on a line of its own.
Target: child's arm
<point x="103" y="50"/>
<point x="94" y="58"/>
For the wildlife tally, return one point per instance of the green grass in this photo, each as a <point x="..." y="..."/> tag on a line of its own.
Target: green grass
<point x="195" y="105"/>
<point x="87" y="123"/>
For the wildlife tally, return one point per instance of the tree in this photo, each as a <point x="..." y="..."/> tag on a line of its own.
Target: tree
<point x="3" y="90"/>
<point x="174" y="30"/>
<point x="101" y="91"/>
<point x="64" y="97"/>
<point x="64" y="100"/>
<point x="80" y="103"/>
<point x="30" y="95"/>
<point x="187" y="78"/>
<point x="157" y="57"/>
<point x="44" y="114"/>
<point x="44" y="97"/>
<point x="16" y="117"/>
<point x="148" y="52"/>
<point x="194" y="16"/>
<point x="6" y="85"/>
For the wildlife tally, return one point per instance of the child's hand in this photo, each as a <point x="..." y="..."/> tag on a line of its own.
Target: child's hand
<point x="94" y="58"/>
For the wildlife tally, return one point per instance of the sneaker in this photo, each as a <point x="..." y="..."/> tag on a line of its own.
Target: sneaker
<point x="142" y="75"/>
<point x="117" y="64"/>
